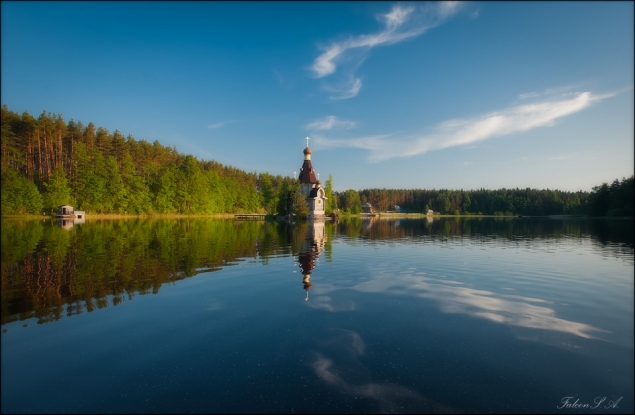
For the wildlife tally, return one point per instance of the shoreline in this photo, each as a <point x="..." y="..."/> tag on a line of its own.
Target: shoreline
<point x="359" y="215"/>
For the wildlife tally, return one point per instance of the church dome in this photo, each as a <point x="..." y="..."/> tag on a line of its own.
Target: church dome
<point x="307" y="150"/>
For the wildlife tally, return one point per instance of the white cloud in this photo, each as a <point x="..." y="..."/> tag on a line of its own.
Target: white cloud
<point x="219" y="124"/>
<point x="278" y="76"/>
<point x="562" y="91"/>
<point x="459" y="132"/>
<point x="330" y="122"/>
<point x="399" y="24"/>
<point x="563" y="157"/>
<point x="350" y="91"/>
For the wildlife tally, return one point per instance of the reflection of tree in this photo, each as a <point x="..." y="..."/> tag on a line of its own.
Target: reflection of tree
<point x="48" y="271"/>
<point x="619" y="232"/>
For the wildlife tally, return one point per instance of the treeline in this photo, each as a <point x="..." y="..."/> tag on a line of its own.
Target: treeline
<point x="488" y="202"/>
<point x="604" y="200"/>
<point x="47" y="162"/>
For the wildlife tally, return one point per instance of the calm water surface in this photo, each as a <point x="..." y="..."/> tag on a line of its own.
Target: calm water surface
<point x="414" y="315"/>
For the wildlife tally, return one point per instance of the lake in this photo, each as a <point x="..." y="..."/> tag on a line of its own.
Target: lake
<point x="443" y="315"/>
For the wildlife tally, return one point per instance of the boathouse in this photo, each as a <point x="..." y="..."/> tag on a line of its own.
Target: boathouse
<point x="67" y="211"/>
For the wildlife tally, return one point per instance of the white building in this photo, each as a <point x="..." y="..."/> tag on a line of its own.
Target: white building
<point x="311" y="186"/>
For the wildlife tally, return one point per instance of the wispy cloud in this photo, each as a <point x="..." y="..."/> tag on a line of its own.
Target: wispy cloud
<point x="549" y="92"/>
<point x="330" y="122"/>
<point x="401" y="23"/>
<point x="562" y="157"/>
<point x="219" y="124"/>
<point x="460" y="132"/>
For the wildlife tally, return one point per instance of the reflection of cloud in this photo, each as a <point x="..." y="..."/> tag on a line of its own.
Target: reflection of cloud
<point x="512" y="310"/>
<point x="324" y="302"/>
<point x="348" y="339"/>
<point x="389" y="396"/>
<point x="460" y="132"/>
<point x="215" y="306"/>
<point x="507" y="309"/>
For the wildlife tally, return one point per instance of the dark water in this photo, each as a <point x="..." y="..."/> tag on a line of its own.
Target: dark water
<point x="201" y="315"/>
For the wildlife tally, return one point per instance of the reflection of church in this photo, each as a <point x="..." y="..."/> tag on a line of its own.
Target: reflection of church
<point x="311" y="186"/>
<point x="310" y="250"/>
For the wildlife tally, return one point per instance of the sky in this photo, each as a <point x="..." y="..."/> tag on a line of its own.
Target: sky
<point x="441" y="95"/>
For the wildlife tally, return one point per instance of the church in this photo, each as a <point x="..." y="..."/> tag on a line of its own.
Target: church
<point x="311" y="186"/>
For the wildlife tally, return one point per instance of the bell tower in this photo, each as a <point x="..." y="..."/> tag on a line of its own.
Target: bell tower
<point x="307" y="174"/>
<point x="311" y="186"/>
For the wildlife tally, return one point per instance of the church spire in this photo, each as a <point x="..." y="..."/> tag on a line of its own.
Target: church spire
<point x="307" y="174"/>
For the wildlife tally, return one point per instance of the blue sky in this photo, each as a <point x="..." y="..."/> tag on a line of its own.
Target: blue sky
<point x="392" y="95"/>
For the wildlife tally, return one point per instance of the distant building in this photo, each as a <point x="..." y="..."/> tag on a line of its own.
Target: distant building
<point x="367" y="208"/>
<point x="395" y="208"/>
<point x="67" y="211"/>
<point x="311" y="186"/>
<point x="430" y="212"/>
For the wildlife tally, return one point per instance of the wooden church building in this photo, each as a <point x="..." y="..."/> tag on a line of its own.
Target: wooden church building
<point x="311" y="186"/>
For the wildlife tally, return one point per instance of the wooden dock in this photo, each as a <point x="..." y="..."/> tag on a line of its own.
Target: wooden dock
<point x="250" y="216"/>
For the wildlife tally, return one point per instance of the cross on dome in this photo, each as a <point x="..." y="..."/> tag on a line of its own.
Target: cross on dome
<point x="307" y="141"/>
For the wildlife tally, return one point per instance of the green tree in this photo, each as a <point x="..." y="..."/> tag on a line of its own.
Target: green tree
<point x="89" y="184"/>
<point x="138" y="194"/>
<point x="330" y="198"/>
<point x="351" y="202"/>
<point x="284" y="197"/>
<point x="466" y="204"/>
<point x="165" y="195"/>
<point x="443" y="204"/>
<point x="19" y="195"/>
<point x="600" y="200"/>
<point x="298" y="201"/>
<point x="191" y="190"/>
<point x="58" y="190"/>
<point x="267" y="193"/>
<point x="116" y="192"/>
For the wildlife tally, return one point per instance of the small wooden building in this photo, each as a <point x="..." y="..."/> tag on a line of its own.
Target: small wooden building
<point x="67" y="211"/>
<point x="367" y="208"/>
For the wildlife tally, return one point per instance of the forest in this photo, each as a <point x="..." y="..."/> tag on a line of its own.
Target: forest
<point x="48" y="162"/>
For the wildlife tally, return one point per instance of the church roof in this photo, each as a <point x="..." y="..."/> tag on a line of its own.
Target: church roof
<point x="314" y="192"/>
<point x="307" y="174"/>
